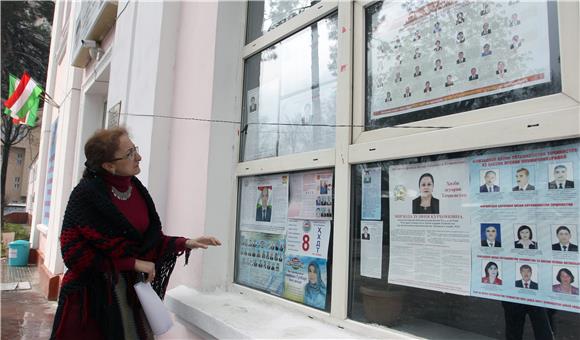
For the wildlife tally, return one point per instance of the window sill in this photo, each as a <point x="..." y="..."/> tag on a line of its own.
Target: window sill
<point x="227" y="315"/>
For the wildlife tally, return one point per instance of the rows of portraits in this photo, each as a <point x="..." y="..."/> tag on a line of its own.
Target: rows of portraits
<point x="283" y="241"/>
<point x="469" y="242"/>
<point x="432" y="58"/>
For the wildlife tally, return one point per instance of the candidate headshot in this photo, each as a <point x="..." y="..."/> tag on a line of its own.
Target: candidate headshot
<point x="491" y="274"/>
<point x="485" y="30"/>
<point x="491" y="235"/>
<point x="564" y="236"/>
<point x="388" y="97"/>
<point x="525" y="238"/>
<point x="438" y="65"/>
<point x="365" y="233"/>
<point x="417" y="54"/>
<point x="417" y="71"/>
<point x="426" y="203"/>
<point x="523" y="180"/>
<point x="427" y="88"/>
<point x="516" y="42"/>
<point x="460" y="18"/>
<point x="489" y="179"/>
<point x="514" y="21"/>
<point x="437" y="47"/>
<point x="565" y="279"/>
<point x="263" y="209"/>
<point x="561" y="178"/>
<point x="473" y="74"/>
<point x="449" y="81"/>
<point x="460" y="58"/>
<point x="460" y="38"/>
<point x="407" y="93"/>
<point x="486" y="50"/>
<point x="500" y="69"/>
<point x="253" y="105"/>
<point x="526" y="281"/>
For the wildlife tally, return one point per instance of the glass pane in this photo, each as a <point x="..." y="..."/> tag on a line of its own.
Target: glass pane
<point x="283" y="241"/>
<point x="290" y="94"/>
<point x="433" y="273"/>
<point x="264" y="16"/>
<point x="428" y="59"/>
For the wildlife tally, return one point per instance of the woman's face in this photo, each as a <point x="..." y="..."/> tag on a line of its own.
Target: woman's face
<point x="312" y="275"/>
<point x="525" y="234"/>
<point x="128" y="165"/>
<point x="492" y="270"/>
<point x="565" y="279"/>
<point x="426" y="186"/>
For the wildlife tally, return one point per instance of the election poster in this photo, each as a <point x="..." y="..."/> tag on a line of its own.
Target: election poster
<point x="429" y="226"/>
<point x="261" y="261"/>
<point x="525" y="221"/>
<point x="311" y="195"/>
<point x="422" y="54"/>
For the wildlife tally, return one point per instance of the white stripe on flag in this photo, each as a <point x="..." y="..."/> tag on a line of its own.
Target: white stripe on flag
<point x="19" y="103"/>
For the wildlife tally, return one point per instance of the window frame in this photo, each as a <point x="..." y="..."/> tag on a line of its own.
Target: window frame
<point x="335" y="158"/>
<point x="568" y="98"/>
<point x="522" y="122"/>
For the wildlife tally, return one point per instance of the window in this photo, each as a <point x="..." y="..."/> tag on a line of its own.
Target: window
<point x="19" y="157"/>
<point x="264" y="16"/>
<point x="290" y="94"/>
<point x="17" y="183"/>
<point x="284" y="233"/>
<point x="411" y="269"/>
<point x="431" y="59"/>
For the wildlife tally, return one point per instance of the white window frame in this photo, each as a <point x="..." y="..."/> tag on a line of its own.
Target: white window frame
<point x="525" y="121"/>
<point x="568" y="99"/>
<point x="335" y="158"/>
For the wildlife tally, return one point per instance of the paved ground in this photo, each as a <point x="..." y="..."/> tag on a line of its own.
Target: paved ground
<point x="26" y="314"/>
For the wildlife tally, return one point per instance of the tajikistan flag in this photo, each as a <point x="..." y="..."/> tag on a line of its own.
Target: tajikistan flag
<point x="22" y="104"/>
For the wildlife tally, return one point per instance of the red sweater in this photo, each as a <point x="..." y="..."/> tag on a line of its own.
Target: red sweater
<point x="135" y="211"/>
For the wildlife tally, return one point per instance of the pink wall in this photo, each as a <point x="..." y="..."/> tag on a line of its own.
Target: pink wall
<point x="189" y="141"/>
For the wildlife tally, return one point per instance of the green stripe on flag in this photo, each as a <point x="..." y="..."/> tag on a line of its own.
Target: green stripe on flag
<point x="11" y="86"/>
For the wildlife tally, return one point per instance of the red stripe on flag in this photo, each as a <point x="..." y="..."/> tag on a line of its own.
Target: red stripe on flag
<point x="18" y="91"/>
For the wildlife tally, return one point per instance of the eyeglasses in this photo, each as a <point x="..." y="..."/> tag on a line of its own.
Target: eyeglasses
<point x="130" y="154"/>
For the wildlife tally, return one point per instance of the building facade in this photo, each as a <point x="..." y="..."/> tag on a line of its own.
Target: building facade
<point x="355" y="158"/>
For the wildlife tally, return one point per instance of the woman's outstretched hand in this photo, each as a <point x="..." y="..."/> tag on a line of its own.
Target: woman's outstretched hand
<point x="202" y="242"/>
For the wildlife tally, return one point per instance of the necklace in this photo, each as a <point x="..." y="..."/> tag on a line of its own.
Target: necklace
<point x="123" y="196"/>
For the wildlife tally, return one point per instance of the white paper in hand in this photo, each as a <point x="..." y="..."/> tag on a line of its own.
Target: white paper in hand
<point x="155" y="311"/>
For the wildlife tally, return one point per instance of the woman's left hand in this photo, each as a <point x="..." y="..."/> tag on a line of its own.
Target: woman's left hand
<point x="202" y="242"/>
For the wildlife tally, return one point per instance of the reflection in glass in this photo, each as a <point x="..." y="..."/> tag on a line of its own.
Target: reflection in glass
<point x="290" y="94"/>
<point x="264" y="16"/>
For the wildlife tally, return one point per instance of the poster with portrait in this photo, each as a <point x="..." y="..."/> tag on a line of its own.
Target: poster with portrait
<point x="371" y="194"/>
<point x="264" y="204"/>
<point x="525" y="220"/>
<point x="306" y="280"/>
<point x="430" y="229"/>
<point x="261" y="107"/>
<point x="427" y="53"/>
<point x="260" y="259"/>
<point x="311" y="195"/>
<point x="371" y="249"/>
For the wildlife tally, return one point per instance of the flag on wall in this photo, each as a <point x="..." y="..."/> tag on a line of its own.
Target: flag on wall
<point x="22" y="104"/>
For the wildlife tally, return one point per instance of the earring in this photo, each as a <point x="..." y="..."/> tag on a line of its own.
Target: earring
<point x="113" y="171"/>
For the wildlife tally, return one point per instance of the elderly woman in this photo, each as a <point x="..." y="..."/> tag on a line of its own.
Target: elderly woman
<point x="566" y="278"/>
<point x="491" y="274"/>
<point x="315" y="289"/>
<point x="525" y="236"/>
<point x="111" y="238"/>
<point x="426" y="203"/>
